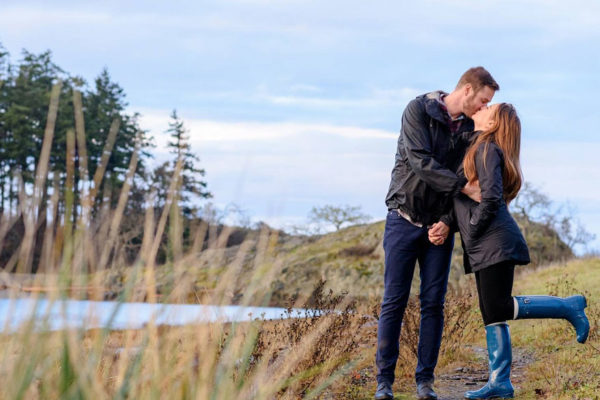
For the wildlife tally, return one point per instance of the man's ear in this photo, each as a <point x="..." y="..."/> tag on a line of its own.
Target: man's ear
<point x="467" y="89"/>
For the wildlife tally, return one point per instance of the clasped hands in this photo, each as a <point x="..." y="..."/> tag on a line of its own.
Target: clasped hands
<point x="438" y="233"/>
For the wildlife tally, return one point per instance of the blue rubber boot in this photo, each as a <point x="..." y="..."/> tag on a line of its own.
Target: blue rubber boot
<point x="500" y="358"/>
<point x="569" y="308"/>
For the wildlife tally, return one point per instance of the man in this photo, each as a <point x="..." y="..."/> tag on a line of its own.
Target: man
<point x="433" y="139"/>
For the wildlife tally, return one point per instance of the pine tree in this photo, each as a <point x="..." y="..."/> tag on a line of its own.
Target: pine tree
<point x="24" y="120"/>
<point x="102" y="106"/>
<point x="192" y="186"/>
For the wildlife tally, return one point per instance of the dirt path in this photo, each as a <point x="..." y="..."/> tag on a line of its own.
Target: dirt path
<point x="452" y="386"/>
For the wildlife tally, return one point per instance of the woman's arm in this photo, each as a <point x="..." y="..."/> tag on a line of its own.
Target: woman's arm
<point x="489" y="172"/>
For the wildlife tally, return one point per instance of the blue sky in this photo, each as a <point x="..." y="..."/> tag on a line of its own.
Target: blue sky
<point x="293" y="104"/>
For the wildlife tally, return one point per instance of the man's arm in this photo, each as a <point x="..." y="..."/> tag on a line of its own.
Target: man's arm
<point x="418" y="147"/>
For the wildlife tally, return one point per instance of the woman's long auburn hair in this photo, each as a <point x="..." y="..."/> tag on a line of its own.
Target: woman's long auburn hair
<point x="506" y="134"/>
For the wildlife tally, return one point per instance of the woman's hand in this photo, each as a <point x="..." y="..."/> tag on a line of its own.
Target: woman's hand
<point x="438" y="233"/>
<point x="473" y="191"/>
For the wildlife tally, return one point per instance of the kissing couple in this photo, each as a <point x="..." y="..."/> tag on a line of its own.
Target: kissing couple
<point x="457" y="168"/>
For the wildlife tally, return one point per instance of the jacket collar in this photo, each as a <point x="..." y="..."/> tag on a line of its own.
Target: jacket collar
<point x="432" y="106"/>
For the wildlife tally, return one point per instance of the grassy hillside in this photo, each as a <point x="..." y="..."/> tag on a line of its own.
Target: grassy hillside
<point x="352" y="260"/>
<point x="348" y="261"/>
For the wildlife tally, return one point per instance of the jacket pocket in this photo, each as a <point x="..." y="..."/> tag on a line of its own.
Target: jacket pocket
<point x="472" y="222"/>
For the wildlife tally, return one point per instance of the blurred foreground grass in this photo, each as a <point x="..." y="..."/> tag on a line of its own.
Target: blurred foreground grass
<point x="326" y="357"/>
<point x="292" y="358"/>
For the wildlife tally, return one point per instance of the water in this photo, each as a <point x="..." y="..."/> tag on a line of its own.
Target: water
<point x="63" y="314"/>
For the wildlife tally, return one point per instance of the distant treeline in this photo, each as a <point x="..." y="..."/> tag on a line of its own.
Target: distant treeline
<point x="85" y="116"/>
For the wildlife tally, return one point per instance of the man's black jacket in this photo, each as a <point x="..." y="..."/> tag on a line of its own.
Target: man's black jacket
<point x="424" y="179"/>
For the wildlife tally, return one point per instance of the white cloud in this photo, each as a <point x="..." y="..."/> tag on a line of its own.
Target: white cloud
<point x="218" y="131"/>
<point x="377" y="98"/>
<point x="292" y="163"/>
<point x="300" y="87"/>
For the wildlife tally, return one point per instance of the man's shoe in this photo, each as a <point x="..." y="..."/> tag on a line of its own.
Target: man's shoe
<point x="425" y="391"/>
<point x="384" y="391"/>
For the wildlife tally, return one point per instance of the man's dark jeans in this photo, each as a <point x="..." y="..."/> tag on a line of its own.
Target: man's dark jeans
<point x="404" y="244"/>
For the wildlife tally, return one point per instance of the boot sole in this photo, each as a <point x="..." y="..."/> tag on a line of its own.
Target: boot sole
<point x="500" y="396"/>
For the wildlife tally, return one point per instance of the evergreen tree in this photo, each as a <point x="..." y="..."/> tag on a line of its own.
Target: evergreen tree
<point x="192" y="186"/>
<point x="102" y="106"/>
<point x="24" y="120"/>
<point x="161" y="178"/>
<point x="24" y="103"/>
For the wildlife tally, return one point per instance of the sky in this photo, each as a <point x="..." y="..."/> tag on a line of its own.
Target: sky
<point x="294" y="104"/>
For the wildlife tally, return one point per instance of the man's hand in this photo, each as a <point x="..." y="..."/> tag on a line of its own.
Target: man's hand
<point x="438" y="233"/>
<point x="473" y="191"/>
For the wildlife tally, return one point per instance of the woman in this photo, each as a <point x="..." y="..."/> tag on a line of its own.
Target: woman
<point x="493" y="244"/>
